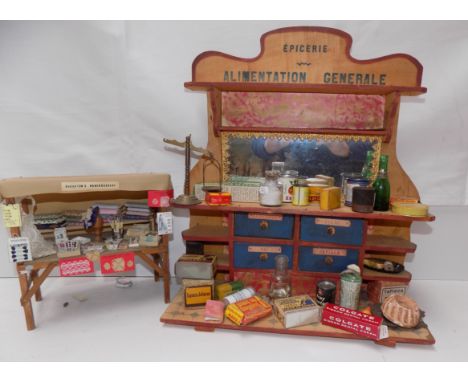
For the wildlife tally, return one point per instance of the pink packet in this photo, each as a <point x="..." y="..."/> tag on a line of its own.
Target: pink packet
<point x="214" y="311"/>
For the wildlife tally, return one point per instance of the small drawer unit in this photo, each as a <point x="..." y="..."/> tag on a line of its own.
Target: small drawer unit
<point x="276" y="226"/>
<point x="322" y="259"/>
<point x="332" y="230"/>
<point x="260" y="256"/>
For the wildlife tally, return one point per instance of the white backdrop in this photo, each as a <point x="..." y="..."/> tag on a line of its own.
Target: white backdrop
<point x="80" y="98"/>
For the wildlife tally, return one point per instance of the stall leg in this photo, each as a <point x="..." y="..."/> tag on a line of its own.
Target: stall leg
<point x="27" y="306"/>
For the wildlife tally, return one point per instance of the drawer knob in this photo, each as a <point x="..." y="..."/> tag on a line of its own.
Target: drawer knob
<point x="328" y="260"/>
<point x="264" y="225"/>
<point x="263" y="256"/>
<point x="331" y="231"/>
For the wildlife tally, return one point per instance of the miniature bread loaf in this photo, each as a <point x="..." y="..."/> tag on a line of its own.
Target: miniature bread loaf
<point x="402" y="311"/>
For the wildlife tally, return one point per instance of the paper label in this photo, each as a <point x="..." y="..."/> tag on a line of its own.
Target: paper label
<point x="164" y="222"/>
<point x="259" y="249"/>
<point x="90" y="186"/>
<point x="329" y="251"/>
<point x="60" y="234"/>
<point x="333" y="222"/>
<point x="12" y="215"/>
<point x="383" y="332"/>
<point x="273" y="217"/>
<point x="388" y="291"/>
<point x="19" y="249"/>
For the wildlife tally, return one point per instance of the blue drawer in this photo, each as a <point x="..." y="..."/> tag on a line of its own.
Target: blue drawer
<point x="332" y="230"/>
<point x="259" y="256"/>
<point x="319" y="259"/>
<point x="263" y="225"/>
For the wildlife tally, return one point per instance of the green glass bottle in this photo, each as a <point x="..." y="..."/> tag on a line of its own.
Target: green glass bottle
<point x="367" y="168"/>
<point x="382" y="186"/>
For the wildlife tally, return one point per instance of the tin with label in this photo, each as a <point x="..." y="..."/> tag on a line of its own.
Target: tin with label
<point x="287" y="179"/>
<point x="350" y="287"/>
<point x="325" y="292"/>
<point x="300" y="193"/>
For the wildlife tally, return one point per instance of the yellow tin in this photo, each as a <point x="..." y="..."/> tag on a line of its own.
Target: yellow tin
<point x="314" y="192"/>
<point x="300" y="194"/>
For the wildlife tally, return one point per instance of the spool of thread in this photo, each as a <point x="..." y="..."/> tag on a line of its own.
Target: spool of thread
<point x="363" y="199"/>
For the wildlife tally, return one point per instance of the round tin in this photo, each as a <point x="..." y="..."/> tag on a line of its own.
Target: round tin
<point x="350" y="184"/>
<point x="300" y="193"/>
<point x="350" y="288"/>
<point x="325" y="292"/>
<point x="314" y="192"/>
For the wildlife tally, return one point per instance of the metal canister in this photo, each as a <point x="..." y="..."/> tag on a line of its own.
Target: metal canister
<point x="287" y="178"/>
<point x="325" y="292"/>
<point x="350" y="184"/>
<point x="314" y="192"/>
<point x="300" y="193"/>
<point x="350" y="287"/>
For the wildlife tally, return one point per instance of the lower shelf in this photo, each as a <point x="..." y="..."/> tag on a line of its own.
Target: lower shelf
<point x="177" y="314"/>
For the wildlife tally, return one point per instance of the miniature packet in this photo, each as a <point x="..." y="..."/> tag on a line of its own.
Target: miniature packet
<point x="164" y="222"/>
<point x="297" y="311"/>
<point x="11" y="215"/>
<point x="214" y="311"/>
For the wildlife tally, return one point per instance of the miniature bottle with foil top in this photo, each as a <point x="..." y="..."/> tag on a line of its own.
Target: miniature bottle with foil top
<point x="280" y="286"/>
<point x="271" y="191"/>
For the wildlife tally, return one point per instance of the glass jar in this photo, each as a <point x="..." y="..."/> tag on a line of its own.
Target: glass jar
<point x="271" y="191"/>
<point x="280" y="286"/>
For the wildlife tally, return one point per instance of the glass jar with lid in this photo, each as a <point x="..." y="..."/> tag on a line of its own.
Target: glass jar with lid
<point x="280" y="286"/>
<point x="270" y="193"/>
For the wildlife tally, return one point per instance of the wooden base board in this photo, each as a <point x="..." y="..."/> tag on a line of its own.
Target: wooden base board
<point x="177" y="314"/>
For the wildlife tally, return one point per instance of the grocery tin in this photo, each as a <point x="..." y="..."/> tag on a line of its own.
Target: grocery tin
<point x="325" y="292"/>
<point x="300" y="193"/>
<point x="350" y="184"/>
<point x="287" y="179"/>
<point x="350" y="287"/>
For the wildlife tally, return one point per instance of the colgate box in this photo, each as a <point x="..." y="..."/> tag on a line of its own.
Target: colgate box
<point x="160" y="198"/>
<point x="354" y="321"/>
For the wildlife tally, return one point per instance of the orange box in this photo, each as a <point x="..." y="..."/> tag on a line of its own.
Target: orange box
<point x="249" y="310"/>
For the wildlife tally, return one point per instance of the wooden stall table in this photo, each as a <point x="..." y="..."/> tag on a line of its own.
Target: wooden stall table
<point x="56" y="194"/>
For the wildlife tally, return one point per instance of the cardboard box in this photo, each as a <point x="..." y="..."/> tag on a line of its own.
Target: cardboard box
<point x="249" y="310"/>
<point x="378" y="291"/>
<point x="354" y="321"/>
<point x="195" y="267"/>
<point x="297" y="311"/>
<point x="330" y="198"/>
<point x="197" y="295"/>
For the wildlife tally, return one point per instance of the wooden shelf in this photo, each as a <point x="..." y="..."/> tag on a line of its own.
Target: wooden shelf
<point x="82" y="231"/>
<point x="381" y="243"/>
<point x="382" y="132"/>
<point x="138" y="250"/>
<point x="208" y="233"/>
<point x="176" y="314"/>
<point x="304" y="88"/>
<point x="287" y="208"/>
<point x="370" y="275"/>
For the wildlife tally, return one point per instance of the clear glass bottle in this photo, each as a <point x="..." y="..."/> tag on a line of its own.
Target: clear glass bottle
<point x="382" y="186"/>
<point x="367" y="168"/>
<point x="271" y="191"/>
<point x="280" y="286"/>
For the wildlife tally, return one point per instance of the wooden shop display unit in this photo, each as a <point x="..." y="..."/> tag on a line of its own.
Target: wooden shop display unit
<point x="57" y="194"/>
<point x="303" y="85"/>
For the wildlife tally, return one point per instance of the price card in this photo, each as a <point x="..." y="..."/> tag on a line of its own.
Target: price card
<point x="164" y="222"/>
<point x="12" y="215"/>
<point x="19" y="249"/>
<point x="60" y="234"/>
